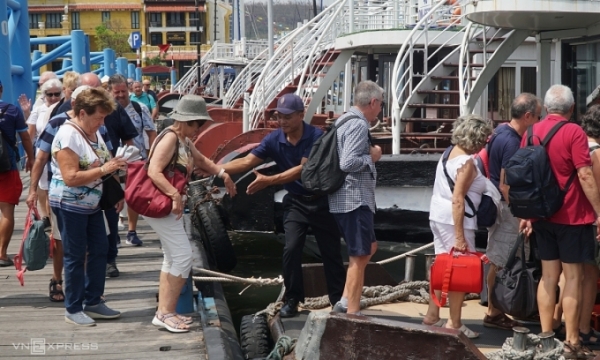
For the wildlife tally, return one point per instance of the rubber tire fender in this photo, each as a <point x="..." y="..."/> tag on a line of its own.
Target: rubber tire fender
<point x="217" y="244"/>
<point x="255" y="339"/>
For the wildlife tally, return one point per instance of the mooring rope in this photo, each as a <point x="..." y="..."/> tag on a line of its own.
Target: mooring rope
<point x="532" y="351"/>
<point x="284" y="346"/>
<point x="218" y="276"/>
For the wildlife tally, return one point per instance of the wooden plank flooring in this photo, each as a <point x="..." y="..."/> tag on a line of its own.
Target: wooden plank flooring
<point x="28" y="318"/>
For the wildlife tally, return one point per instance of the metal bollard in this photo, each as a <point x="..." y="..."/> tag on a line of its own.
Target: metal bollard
<point x="409" y="267"/>
<point x="547" y="340"/>
<point x="428" y="261"/>
<point x="520" y="338"/>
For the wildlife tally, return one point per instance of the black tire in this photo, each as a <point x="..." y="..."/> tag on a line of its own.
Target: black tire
<point x="217" y="244"/>
<point x="254" y="337"/>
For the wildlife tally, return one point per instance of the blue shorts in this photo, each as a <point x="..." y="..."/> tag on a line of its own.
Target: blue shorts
<point x="358" y="229"/>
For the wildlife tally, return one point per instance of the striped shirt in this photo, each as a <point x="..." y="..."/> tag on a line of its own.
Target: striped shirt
<point x="355" y="159"/>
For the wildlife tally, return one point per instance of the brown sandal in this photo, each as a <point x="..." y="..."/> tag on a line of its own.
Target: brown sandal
<point x="55" y="292"/>
<point x="500" y="321"/>
<point x="579" y="351"/>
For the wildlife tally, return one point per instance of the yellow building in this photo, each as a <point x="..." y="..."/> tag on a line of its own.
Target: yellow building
<point x="159" y="22"/>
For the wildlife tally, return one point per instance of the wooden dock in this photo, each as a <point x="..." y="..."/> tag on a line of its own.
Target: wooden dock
<point x="32" y="325"/>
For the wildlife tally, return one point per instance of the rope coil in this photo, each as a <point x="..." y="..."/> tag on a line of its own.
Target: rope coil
<point x="285" y="345"/>
<point x="532" y="351"/>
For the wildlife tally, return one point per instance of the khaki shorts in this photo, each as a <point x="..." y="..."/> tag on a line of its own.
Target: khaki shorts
<point x="502" y="237"/>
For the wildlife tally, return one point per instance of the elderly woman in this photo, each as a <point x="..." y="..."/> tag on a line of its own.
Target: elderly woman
<point x="450" y="227"/>
<point x="52" y="91"/>
<point x="189" y="115"/>
<point x="80" y="158"/>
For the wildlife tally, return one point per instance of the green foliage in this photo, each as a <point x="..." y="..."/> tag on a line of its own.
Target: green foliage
<point x="111" y="34"/>
<point x="155" y="60"/>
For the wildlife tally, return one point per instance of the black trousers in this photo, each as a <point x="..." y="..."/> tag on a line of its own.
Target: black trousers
<point x="299" y="214"/>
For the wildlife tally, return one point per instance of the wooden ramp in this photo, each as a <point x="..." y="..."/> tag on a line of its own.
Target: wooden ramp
<point x="32" y="325"/>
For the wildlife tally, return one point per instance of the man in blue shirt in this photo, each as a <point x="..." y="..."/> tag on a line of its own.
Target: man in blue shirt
<point x="11" y="123"/>
<point x="289" y="146"/>
<point x="525" y="111"/>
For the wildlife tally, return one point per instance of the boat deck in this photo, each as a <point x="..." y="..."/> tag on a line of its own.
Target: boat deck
<point x="31" y="324"/>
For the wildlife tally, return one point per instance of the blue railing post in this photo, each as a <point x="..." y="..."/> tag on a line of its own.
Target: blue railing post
<point x="67" y="63"/>
<point x="20" y="53"/>
<point x="122" y="66"/>
<point x="109" y="62"/>
<point x="131" y="70"/>
<point x="173" y="78"/>
<point x="5" y="64"/>
<point x="81" y="57"/>
<point x="138" y="74"/>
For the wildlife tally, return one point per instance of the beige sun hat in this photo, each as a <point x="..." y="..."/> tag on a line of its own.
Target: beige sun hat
<point x="189" y="108"/>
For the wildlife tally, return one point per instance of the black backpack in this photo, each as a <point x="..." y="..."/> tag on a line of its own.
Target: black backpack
<point x="534" y="192"/>
<point x="487" y="212"/>
<point x="5" y="163"/>
<point x="321" y="174"/>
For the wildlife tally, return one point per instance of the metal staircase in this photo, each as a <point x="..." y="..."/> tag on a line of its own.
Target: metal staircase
<point x="441" y="72"/>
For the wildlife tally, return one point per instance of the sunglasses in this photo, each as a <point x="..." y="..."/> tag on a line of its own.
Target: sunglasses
<point x="129" y="83"/>
<point x="55" y="94"/>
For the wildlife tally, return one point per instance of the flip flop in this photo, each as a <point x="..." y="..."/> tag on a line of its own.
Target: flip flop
<point x="439" y="323"/>
<point x="468" y="332"/>
<point x="5" y="263"/>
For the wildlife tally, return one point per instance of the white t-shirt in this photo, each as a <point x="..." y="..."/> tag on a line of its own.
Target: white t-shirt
<point x="39" y="119"/>
<point x="440" y="209"/>
<point x="80" y="199"/>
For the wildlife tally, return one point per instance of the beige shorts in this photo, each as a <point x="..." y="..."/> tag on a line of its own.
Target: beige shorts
<point x="54" y="223"/>
<point x="502" y="237"/>
<point x="444" y="238"/>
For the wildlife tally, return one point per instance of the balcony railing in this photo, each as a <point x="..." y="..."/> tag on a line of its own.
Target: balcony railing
<point x="172" y="23"/>
<point x="155" y="23"/>
<point x="52" y="25"/>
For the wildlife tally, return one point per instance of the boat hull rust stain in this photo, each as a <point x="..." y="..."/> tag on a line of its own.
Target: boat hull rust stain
<point x="351" y="337"/>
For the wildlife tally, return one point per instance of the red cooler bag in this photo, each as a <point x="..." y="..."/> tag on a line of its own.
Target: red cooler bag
<point x="456" y="271"/>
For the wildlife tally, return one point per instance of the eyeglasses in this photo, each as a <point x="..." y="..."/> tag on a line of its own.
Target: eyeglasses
<point x="129" y="83"/>
<point x="55" y="94"/>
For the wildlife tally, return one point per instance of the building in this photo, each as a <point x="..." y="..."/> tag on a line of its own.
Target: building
<point x="174" y="22"/>
<point x="159" y="21"/>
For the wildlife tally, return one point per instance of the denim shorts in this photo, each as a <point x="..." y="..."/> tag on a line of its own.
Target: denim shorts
<point x="358" y="229"/>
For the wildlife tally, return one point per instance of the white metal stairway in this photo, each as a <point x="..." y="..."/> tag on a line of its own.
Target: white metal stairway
<point x="440" y="72"/>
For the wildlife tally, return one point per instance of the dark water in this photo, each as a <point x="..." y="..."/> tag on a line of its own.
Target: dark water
<point x="259" y="255"/>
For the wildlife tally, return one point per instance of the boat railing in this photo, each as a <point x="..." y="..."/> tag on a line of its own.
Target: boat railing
<point x="441" y="27"/>
<point x="292" y="60"/>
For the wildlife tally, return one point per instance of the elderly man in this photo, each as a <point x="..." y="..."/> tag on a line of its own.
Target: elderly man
<point x="11" y="123"/>
<point x="289" y="146"/>
<point x="525" y="111"/>
<point x="143" y="98"/>
<point x="140" y="118"/>
<point x="353" y="205"/>
<point x="566" y="239"/>
<point x="90" y="79"/>
<point x="146" y="85"/>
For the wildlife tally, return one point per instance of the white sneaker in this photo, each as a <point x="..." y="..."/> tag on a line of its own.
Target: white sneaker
<point x="121" y="226"/>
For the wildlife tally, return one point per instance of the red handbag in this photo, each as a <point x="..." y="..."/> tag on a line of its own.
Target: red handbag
<point x="456" y="271"/>
<point x="142" y="195"/>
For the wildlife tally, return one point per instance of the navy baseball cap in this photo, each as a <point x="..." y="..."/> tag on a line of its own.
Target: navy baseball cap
<point x="289" y="103"/>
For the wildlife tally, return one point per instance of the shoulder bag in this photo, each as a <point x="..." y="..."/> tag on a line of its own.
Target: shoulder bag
<point x="142" y="195"/>
<point x="456" y="272"/>
<point x="515" y="289"/>
<point x="112" y="192"/>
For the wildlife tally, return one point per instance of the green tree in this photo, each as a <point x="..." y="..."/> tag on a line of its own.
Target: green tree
<point x="111" y="34"/>
<point x="155" y="60"/>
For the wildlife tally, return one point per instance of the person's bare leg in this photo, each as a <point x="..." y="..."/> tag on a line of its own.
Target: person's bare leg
<point x="433" y="311"/>
<point x="546" y="295"/>
<point x="491" y="280"/>
<point x="57" y="260"/>
<point x="7" y="226"/>
<point x="169" y="289"/>
<point x="456" y="302"/>
<point x="355" y="279"/>
<point x="43" y="205"/>
<point x="132" y="217"/>
<point x="588" y="297"/>
<point x="558" y="310"/>
<point x="572" y="300"/>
